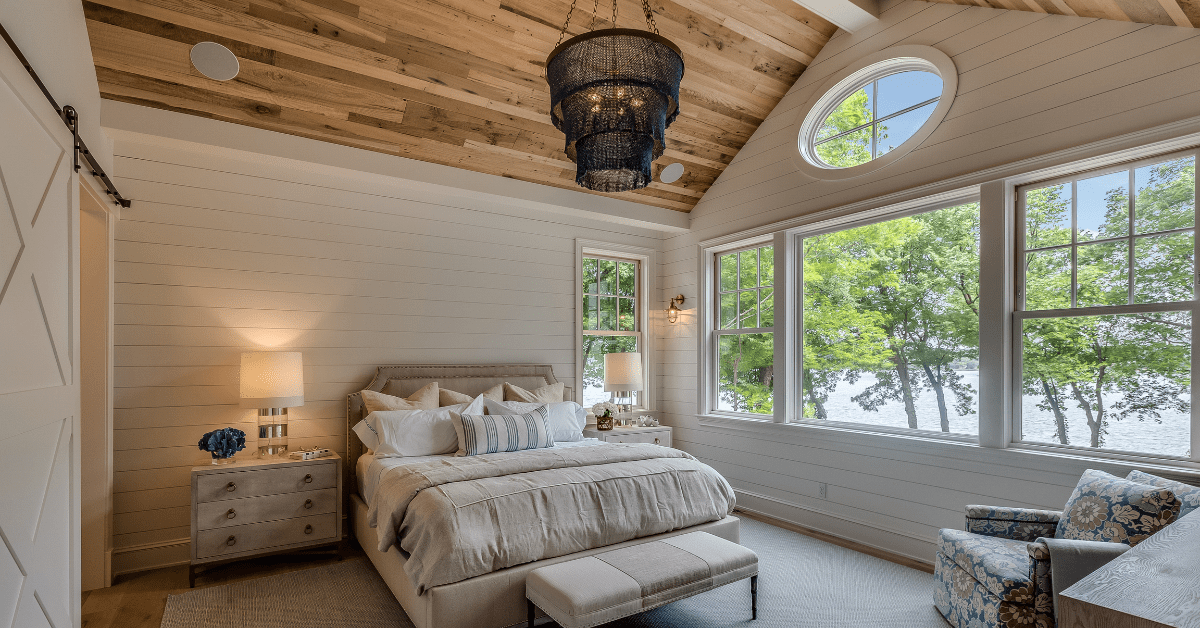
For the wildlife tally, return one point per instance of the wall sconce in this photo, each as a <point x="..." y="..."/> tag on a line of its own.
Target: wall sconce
<point x="673" y="311"/>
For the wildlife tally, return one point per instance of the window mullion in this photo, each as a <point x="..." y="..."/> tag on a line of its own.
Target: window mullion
<point x="1129" y="251"/>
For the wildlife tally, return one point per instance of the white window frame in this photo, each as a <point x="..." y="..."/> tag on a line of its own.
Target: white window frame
<point x="797" y="340"/>
<point x="712" y="320"/>
<point x="1020" y="315"/>
<point x="647" y="289"/>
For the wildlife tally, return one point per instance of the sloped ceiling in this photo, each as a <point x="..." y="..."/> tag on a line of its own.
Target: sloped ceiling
<point x="454" y="82"/>
<point x="1163" y="12"/>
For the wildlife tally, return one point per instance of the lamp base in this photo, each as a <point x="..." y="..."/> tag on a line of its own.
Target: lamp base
<point x="272" y="432"/>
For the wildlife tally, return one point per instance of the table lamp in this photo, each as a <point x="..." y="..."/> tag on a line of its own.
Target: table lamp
<point x="623" y="373"/>
<point x="272" y="381"/>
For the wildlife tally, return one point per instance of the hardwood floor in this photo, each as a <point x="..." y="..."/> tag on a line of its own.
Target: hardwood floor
<point x="137" y="600"/>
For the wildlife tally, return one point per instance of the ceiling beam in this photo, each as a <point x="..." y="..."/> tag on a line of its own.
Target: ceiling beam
<point x="848" y="15"/>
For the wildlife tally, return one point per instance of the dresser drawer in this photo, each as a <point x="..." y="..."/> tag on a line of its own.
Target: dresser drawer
<point x="237" y="484"/>
<point x="228" y="513"/>
<point x="655" y="438"/>
<point x="234" y="540"/>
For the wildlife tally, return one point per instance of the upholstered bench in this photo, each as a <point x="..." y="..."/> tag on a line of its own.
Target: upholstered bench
<point x="597" y="589"/>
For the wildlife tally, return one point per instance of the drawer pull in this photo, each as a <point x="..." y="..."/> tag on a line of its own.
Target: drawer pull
<point x="231" y="514"/>
<point x="308" y="479"/>
<point x="231" y="541"/>
<point x="308" y="504"/>
<point x="656" y="441"/>
<point x="231" y="487"/>
<point x="307" y="529"/>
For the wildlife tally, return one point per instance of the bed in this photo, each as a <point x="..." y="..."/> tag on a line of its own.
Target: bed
<point x="489" y="600"/>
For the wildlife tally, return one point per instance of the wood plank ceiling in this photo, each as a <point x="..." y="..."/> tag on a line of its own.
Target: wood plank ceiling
<point x="1163" y="12"/>
<point x="454" y="82"/>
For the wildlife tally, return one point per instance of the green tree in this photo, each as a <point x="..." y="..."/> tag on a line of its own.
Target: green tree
<point x="850" y="149"/>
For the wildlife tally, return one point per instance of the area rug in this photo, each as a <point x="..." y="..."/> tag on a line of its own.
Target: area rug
<point x="803" y="583"/>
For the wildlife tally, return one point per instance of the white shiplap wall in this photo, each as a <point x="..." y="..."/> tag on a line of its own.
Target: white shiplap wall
<point x="1030" y="84"/>
<point x="220" y="255"/>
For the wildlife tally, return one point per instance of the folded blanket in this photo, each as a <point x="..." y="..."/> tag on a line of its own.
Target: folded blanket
<point x="1072" y="561"/>
<point x="456" y="518"/>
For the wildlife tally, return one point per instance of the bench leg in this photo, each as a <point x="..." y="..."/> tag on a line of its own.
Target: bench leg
<point x="753" y="597"/>
<point x="531" y="612"/>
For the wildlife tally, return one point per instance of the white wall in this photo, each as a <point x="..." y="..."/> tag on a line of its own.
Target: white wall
<point x="224" y="251"/>
<point x="1029" y="84"/>
<point x="52" y="34"/>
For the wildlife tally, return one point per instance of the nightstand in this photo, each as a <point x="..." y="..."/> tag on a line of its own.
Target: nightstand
<point x="660" y="435"/>
<point x="265" y="506"/>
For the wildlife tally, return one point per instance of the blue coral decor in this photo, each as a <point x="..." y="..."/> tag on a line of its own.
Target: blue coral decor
<point x="223" y="443"/>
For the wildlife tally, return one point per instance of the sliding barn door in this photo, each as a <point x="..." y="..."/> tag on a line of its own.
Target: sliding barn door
<point x="39" y="394"/>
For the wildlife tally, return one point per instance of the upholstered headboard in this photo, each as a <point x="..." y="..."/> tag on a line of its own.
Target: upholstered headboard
<point x="403" y="381"/>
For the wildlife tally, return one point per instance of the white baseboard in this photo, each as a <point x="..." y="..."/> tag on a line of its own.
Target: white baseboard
<point x="898" y="543"/>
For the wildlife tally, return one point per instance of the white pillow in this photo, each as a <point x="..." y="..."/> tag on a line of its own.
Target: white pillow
<point x="567" y="418"/>
<point x="367" y="434"/>
<point x="418" y="432"/>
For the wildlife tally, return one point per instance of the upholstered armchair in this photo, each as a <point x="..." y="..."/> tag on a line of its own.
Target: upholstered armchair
<point x="996" y="573"/>
<point x="1001" y="571"/>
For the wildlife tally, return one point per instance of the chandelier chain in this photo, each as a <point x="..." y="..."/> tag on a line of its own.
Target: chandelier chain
<point x="614" y="14"/>
<point x="649" y="16"/>
<point x="566" y="24"/>
<point x="595" y="12"/>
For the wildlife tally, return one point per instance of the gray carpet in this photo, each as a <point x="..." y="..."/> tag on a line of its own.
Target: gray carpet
<point x="803" y="583"/>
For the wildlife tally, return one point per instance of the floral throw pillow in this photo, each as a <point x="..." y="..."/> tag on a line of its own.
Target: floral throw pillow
<point x="1105" y="507"/>
<point x="1188" y="495"/>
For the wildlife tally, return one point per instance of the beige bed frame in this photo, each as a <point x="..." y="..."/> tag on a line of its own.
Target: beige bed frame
<point x="494" y="600"/>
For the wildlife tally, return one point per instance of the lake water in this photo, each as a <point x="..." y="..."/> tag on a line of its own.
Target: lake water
<point x="1170" y="437"/>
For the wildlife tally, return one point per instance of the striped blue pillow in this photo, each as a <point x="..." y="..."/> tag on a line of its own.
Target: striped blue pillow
<point x="492" y="433"/>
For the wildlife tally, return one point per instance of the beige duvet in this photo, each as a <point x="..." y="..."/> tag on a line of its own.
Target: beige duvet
<point x="456" y="518"/>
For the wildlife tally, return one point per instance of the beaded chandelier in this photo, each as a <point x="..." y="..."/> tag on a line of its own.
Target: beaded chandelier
<point x="614" y="92"/>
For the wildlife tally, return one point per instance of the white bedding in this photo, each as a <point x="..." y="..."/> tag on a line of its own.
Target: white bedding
<point x="371" y="468"/>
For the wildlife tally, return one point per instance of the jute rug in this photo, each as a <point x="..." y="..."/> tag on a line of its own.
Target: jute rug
<point x="804" y="583"/>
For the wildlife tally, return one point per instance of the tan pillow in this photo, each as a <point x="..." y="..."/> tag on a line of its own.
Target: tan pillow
<point x="495" y="393"/>
<point x="550" y="393"/>
<point x="447" y="397"/>
<point x="424" y="399"/>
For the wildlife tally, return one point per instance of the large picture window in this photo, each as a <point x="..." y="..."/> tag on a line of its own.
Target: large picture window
<point x="891" y="323"/>
<point x="1106" y="298"/>
<point x="611" y="289"/>
<point x="744" y="330"/>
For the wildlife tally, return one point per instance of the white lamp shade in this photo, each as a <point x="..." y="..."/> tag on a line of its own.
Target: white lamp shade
<point x="272" y="379"/>
<point x="623" y="371"/>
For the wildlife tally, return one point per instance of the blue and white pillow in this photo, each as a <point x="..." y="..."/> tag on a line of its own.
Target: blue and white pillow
<point x="1104" y="507"/>
<point x="494" y="433"/>
<point x="1188" y="495"/>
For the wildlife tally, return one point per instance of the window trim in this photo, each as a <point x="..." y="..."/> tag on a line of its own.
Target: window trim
<point x="798" y="235"/>
<point x="648" y="283"/>
<point x="714" y="307"/>
<point x="1020" y="314"/>
<point x="843" y="83"/>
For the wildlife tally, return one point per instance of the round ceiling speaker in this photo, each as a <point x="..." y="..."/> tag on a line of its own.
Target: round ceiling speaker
<point x="671" y="173"/>
<point x="215" y="61"/>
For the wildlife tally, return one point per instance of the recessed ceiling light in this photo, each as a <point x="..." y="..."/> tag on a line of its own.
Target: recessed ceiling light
<point x="671" y="173"/>
<point x="215" y="61"/>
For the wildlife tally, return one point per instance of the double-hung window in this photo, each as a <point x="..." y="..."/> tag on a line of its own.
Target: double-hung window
<point x="1106" y="299"/>
<point x="890" y="322"/>
<point x="611" y="318"/>
<point x="743" y="337"/>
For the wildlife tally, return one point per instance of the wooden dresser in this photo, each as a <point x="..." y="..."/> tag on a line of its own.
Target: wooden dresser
<point x="1154" y="585"/>
<point x="257" y="507"/>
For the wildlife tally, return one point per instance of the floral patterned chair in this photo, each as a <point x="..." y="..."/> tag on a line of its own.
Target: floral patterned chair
<point x="997" y="572"/>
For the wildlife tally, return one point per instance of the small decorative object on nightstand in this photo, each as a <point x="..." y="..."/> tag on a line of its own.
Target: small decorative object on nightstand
<point x="258" y="507"/>
<point x="604" y="412"/>
<point x="660" y="435"/>
<point x="223" y="444"/>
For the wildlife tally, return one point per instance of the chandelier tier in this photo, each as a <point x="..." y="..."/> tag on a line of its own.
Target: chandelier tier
<point x="613" y="93"/>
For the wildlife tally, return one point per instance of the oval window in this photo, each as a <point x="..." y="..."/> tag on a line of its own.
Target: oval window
<point x="875" y="118"/>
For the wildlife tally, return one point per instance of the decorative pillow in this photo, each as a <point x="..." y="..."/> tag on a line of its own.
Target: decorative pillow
<point x="424" y="399"/>
<point x="550" y="393"/>
<point x="367" y="434"/>
<point x="1189" y="496"/>
<point x="447" y="397"/>
<point x="566" y="419"/>
<point x="1104" y="507"/>
<point x="492" y="433"/>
